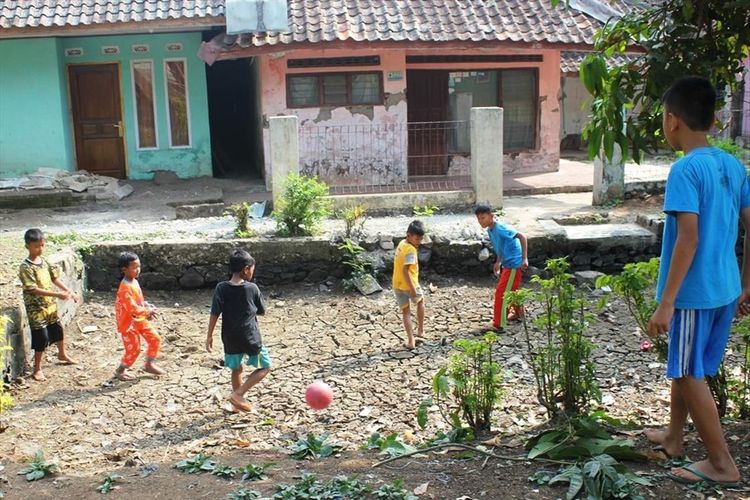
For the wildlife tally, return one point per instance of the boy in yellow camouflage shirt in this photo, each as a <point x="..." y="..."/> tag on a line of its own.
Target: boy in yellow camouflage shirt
<point x="37" y="277"/>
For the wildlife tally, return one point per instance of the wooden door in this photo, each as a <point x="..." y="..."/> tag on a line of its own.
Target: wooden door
<point x="427" y="112"/>
<point x="97" y="118"/>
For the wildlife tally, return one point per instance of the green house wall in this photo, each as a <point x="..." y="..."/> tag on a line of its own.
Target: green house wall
<point x="35" y="120"/>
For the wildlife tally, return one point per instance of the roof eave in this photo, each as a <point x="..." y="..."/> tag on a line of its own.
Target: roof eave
<point x="129" y="28"/>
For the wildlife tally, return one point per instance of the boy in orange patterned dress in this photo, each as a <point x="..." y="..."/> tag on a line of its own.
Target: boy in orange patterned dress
<point x="133" y="313"/>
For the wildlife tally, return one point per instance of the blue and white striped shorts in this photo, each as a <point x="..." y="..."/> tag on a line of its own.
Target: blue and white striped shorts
<point x="697" y="339"/>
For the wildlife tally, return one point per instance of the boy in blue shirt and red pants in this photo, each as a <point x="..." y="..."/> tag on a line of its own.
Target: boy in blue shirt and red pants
<point x="511" y="249"/>
<point x="699" y="288"/>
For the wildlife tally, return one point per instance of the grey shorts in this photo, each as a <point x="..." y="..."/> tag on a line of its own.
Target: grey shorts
<point x="403" y="297"/>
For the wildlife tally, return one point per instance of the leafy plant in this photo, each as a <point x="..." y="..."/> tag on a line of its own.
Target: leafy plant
<point x="109" y="483"/>
<point x="563" y="371"/>
<point x="739" y="382"/>
<point x="354" y="220"/>
<point x="241" y="214"/>
<point x="302" y="206"/>
<point x="339" y="488"/>
<point x="6" y="400"/>
<point x="313" y="447"/>
<point x="394" y="491"/>
<point x="391" y="445"/>
<point x="224" y="471"/>
<point x="38" y="468"/>
<point x="469" y="387"/>
<point x="580" y="437"/>
<point x="354" y="258"/>
<point x="196" y="464"/>
<point x="600" y="477"/>
<point x="636" y="285"/>
<point x="425" y="211"/>
<point x="245" y="494"/>
<point x="252" y="472"/>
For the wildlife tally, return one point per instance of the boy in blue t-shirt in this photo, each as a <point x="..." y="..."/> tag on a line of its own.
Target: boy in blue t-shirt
<point x="511" y="247"/>
<point x="699" y="285"/>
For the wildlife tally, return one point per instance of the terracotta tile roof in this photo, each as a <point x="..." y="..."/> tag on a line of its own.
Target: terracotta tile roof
<point x="570" y="61"/>
<point x="50" y="13"/>
<point x="313" y="21"/>
<point x="432" y="20"/>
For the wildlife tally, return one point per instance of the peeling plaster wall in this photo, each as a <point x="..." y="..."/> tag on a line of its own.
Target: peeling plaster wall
<point x="343" y="145"/>
<point x="368" y="144"/>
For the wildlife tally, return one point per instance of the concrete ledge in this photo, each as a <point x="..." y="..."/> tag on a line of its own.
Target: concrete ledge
<point x="37" y="198"/>
<point x="386" y="202"/>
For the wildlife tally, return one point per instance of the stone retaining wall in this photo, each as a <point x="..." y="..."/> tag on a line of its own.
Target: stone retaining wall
<point x="173" y="265"/>
<point x="18" y="336"/>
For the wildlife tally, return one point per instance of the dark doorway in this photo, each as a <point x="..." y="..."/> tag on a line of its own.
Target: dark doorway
<point x="97" y="119"/>
<point x="234" y="114"/>
<point x="427" y="111"/>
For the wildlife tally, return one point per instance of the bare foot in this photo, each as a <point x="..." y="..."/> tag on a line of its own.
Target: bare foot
<point x="38" y="376"/>
<point x="704" y="471"/>
<point x="514" y="316"/>
<point x="239" y="402"/>
<point x="420" y="335"/>
<point x="409" y="346"/>
<point x="124" y="376"/>
<point x="672" y="447"/>
<point x="153" y="369"/>
<point x="66" y="360"/>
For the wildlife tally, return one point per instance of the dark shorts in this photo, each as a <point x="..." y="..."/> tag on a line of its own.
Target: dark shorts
<point x="43" y="337"/>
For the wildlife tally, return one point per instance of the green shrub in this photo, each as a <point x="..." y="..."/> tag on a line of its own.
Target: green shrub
<point x="304" y="204"/>
<point x="241" y="214"/>
<point x="468" y="388"/>
<point x="6" y="401"/>
<point x="354" y="220"/>
<point x="562" y="366"/>
<point x="739" y="378"/>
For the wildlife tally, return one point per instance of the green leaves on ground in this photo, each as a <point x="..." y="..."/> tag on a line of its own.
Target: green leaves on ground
<point x="245" y="494"/>
<point x="583" y="437"/>
<point x="598" y="478"/>
<point x="38" y="468"/>
<point x="394" y="491"/>
<point x="390" y="445"/>
<point x="109" y="483"/>
<point x="309" y="487"/>
<point x="425" y="211"/>
<point x="224" y="471"/>
<point x="313" y="447"/>
<point x="252" y="472"/>
<point x="196" y="464"/>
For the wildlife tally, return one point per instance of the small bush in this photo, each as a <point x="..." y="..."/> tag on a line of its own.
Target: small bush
<point x="425" y="211"/>
<point x="354" y="220"/>
<point x="313" y="447"/>
<point x="38" y="468"/>
<point x="304" y="204"/>
<point x="562" y="366"/>
<point x="241" y="214"/>
<point x="468" y="388"/>
<point x="739" y="378"/>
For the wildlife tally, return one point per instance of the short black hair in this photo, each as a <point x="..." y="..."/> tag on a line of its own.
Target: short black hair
<point x="416" y="228"/>
<point x="239" y="260"/>
<point x="482" y="209"/>
<point x="125" y="258"/>
<point x="693" y="100"/>
<point x="33" y="235"/>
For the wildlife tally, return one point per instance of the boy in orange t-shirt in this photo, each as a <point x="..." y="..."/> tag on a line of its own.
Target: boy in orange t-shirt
<point x="132" y="313"/>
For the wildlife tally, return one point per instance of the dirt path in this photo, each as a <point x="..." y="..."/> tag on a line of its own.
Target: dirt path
<point x="90" y="425"/>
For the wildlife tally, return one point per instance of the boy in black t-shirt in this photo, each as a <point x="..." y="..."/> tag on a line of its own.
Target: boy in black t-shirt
<point x="239" y="301"/>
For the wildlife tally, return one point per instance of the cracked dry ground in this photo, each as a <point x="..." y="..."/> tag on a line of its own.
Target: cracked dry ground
<point x="89" y="425"/>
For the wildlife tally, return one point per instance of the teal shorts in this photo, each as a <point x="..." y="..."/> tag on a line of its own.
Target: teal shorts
<point x="260" y="360"/>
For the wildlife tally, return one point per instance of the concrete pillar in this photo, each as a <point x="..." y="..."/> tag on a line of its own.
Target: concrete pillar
<point x="609" y="178"/>
<point x="487" y="155"/>
<point x="284" y="146"/>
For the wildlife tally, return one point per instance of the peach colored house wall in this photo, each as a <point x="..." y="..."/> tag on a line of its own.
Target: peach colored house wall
<point x="382" y="158"/>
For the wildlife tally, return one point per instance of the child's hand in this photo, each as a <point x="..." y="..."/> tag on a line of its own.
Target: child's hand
<point x="64" y="296"/>
<point x="659" y="323"/>
<point x="743" y="303"/>
<point x="151" y="313"/>
<point x="209" y="344"/>
<point x="496" y="269"/>
<point x="524" y="264"/>
<point x="77" y="298"/>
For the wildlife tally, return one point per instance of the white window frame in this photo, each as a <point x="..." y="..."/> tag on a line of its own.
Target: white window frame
<point x="189" y="145"/>
<point x="135" y="104"/>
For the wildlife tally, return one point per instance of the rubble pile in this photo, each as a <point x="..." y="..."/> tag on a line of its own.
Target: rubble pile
<point x="101" y="187"/>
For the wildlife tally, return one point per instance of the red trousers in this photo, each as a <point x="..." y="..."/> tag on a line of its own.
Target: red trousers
<point x="132" y="342"/>
<point x="510" y="280"/>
